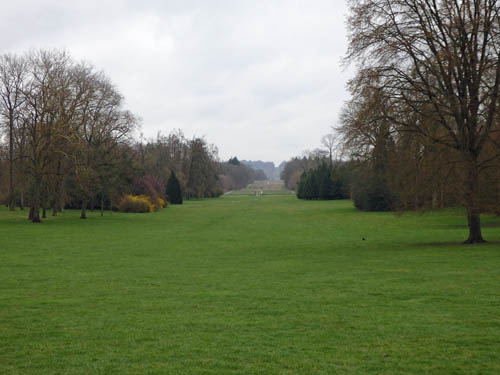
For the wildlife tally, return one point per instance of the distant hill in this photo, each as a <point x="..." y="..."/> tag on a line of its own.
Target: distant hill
<point x="272" y="172"/>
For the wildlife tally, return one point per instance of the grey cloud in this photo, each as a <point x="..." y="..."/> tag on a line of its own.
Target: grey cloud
<point x="260" y="79"/>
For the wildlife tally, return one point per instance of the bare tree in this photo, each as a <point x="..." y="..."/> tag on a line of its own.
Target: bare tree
<point x="441" y="60"/>
<point x="46" y="84"/>
<point x="329" y="141"/>
<point x="12" y="79"/>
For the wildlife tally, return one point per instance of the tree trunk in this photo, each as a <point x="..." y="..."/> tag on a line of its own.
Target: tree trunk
<point x="434" y="199"/>
<point x="472" y="204"/>
<point x="442" y="195"/>
<point x="102" y="205"/>
<point x="61" y="202"/>
<point x="57" y="190"/>
<point x="54" y="206"/>
<point x="22" y="184"/>
<point x="84" y="209"/>
<point x="12" y="201"/>
<point x="474" y="222"/>
<point x="35" y="205"/>
<point x="21" y="199"/>
<point x="61" y="195"/>
<point x="44" y="201"/>
<point x="497" y="208"/>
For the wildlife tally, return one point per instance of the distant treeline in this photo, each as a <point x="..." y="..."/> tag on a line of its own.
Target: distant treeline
<point x="235" y="175"/>
<point x="386" y="171"/>
<point x="271" y="171"/>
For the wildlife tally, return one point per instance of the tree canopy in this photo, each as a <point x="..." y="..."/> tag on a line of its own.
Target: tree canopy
<point x="435" y="68"/>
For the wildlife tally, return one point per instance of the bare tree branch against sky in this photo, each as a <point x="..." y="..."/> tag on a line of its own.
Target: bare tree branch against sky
<point x="261" y="79"/>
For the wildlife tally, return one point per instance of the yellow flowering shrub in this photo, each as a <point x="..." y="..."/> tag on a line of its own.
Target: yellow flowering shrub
<point x="136" y="203"/>
<point x="161" y="202"/>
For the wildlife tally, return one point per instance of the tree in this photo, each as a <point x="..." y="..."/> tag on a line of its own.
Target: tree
<point x="329" y="141"/>
<point x="260" y="175"/>
<point x="202" y="176"/>
<point x="237" y="176"/>
<point x="325" y="182"/>
<point x="12" y="80"/>
<point x="45" y="91"/>
<point x="439" y="59"/>
<point x="65" y="123"/>
<point x="102" y="124"/>
<point x="234" y="161"/>
<point x="173" y="189"/>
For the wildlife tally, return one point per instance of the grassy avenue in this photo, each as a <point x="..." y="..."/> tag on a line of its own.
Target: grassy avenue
<point x="249" y="285"/>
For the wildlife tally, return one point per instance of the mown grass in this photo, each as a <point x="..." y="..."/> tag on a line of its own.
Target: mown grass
<point x="263" y="188"/>
<point x="249" y="285"/>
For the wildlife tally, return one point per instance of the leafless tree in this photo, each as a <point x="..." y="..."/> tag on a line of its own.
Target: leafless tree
<point x="329" y="142"/>
<point x="441" y="60"/>
<point x="12" y="79"/>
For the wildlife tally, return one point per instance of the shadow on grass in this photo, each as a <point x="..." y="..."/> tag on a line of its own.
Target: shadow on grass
<point x="455" y="244"/>
<point x="488" y="224"/>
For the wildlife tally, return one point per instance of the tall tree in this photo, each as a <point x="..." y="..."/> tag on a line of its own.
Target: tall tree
<point x="12" y="80"/>
<point x="329" y="142"/>
<point x="439" y="59"/>
<point x="173" y="189"/>
<point x="44" y="93"/>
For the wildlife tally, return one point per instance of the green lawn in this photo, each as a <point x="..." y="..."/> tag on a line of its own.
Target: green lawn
<point x="263" y="188"/>
<point x="249" y="285"/>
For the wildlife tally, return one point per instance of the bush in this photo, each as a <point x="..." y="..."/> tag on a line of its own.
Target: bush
<point x="161" y="202"/>
<point x="148" y="185"/>
<point x="136" y="203"/>
<point x="371" y="193"/>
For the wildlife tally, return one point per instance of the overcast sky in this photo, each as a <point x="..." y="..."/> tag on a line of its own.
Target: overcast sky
<point x="261" y="79"/>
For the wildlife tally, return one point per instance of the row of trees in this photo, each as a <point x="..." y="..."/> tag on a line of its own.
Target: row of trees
<point x="325" y="182"/>
<point x="68" y="142"/>
<point x="61" y="119"/>
<point x="235" y="175"/>
<point x="319" y="174"/>
<point x="194" y="162"/>
<point x="294" y="168"/>
<point x="423" y="123"/>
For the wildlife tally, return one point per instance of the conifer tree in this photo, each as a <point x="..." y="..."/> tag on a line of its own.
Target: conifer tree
<point x="301" y="186"/>
<point x="173" y="190"/>
<point x="325" y="183"/>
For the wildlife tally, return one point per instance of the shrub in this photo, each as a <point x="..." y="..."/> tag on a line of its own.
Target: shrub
<point x="136" y="203"/>
<point x="371" y="193"/>
<point x="148" y="185"/>
<point x="161" y="202"/>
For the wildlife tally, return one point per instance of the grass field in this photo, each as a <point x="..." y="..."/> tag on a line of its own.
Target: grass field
<point x="249" y="285"/>
<point x="263" y="188"/>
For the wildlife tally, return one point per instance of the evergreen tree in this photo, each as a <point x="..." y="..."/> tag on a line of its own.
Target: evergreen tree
<point x="325" y="183"/>
<point x="173" y="190"/>
<point x="234" y="161"/>
<point x="301" y="186"/>
<point x="311" y="186"/>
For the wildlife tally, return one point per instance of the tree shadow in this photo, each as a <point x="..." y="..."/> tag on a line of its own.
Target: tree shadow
<point x="455" y="244"/>
<point x="488" y="224"/>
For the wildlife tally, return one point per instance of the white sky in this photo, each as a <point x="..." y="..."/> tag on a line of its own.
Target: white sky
<point x="261" y="79"/>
